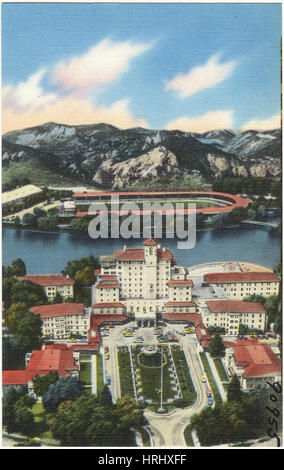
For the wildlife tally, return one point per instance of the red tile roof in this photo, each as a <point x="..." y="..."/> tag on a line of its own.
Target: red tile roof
<point x="194" y="318"/>
<point x="137" y="254"/>
<point x="48" y="279"/>
<point x="108" y="285"/>
<point x="130" y="254"/>
<point x="108" y="277"/>
<point x="235" y="306"/>
<point x="47" y="360"/>
<point x="17" y="377"/>
<point x="108" y="304"/>
<point x="180" y="283"/>
<point x="177" y="303"/>
<point x="150" y="242"/>
<point x="257" y="358"/>
<point x="58" y="310"/>
<point x="240" y="277"/>
<point x="42" y="362"/>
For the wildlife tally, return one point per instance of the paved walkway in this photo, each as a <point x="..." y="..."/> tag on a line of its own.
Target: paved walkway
<point x="216" y="377"/>
<point x="94" y="373"/>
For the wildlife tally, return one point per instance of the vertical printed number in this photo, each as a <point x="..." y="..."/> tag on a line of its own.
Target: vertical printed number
<point x="277" y="388"/>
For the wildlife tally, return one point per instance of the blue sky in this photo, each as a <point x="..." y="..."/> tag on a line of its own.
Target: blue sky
<point x="192" y="67"/>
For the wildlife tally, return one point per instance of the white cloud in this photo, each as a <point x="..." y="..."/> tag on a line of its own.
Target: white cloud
<point x="71" y="110"/>
<point x="27" y="104"/>
<point x="102" y="64"/>
<point x="274" y="122"/>
<point x="28" y="94"/>
<point x="213" y="120"/>
<point x="201" y="77"/>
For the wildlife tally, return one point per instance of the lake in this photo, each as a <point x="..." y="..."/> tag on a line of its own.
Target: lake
<point x="45" y="253"/>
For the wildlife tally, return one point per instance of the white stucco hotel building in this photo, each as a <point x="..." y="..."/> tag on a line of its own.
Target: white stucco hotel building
<point x="143" y="282"/>
<point x="52" y="284"/>
<point x="238" y="285"/>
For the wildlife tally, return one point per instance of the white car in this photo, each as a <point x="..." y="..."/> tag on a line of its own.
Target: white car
<point x="104" y="333"/>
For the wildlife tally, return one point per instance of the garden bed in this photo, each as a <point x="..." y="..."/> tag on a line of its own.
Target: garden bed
<point x="148" y="375"/>
<point x="185" y="381"/>
<point x="125" y="372"/>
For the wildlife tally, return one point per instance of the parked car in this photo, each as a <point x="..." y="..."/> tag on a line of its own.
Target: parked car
<point x="104" y="333"/>
<point x="210" y="401"/>
<point x="162" y="338"/>
<point x="158" y="331"/>
<point x="189" y="330"/>
<point x="128" y="333"/>
<point x="208" y="393"/>
<point x="106" y="349"/>
<point x="202" y="378"/>
<point x="108" y="380"/>
<point x="139" y="339"/>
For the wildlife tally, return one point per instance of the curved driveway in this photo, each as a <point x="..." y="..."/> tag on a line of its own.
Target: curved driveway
<point x="167" y="429"/>
<point x="171" y="426"/>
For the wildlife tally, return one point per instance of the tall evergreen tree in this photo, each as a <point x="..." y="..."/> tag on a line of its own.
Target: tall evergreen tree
<point x="216" y="347"/>
<point x="234" y="389"/>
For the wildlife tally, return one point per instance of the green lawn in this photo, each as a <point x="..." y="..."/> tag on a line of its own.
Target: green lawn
<point x="42" y="420"/>
<point x="215" y="391"/>
<point x="184" y="377"/>
<point x="126" y="382"/>
<point x="188" y="437"/>
<point x="145" y="437"/>
<point x="100" y="379"/>
<point x="220" y="369"/>
<point x="85" y="357"/>
<point x="151" y="375"/>
<point x="85" y="373"/>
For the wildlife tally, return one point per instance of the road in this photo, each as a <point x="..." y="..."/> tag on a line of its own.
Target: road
<point x="167" y="429"/>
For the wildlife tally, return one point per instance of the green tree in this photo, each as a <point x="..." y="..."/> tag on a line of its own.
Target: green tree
<point x="105" y="397"/>
<point x="13" y="314"/>
<point x="24" y="291"/>
<point x="30" y="220"/>
<point x="66" y="388"/>
<point x="24" y="420"/>
<point x="49" y="222"/>
<point x="216" y="346"/>
<point x="41" y="383"/>
<point x="85" y="276"/>
<point x="13" y="353"/>
<point x="25" y="325"/>
<point x="16" y="411"/>
<point x="19" y="267"/>
<point x="234" y="390"/>
<point x="220" y="221"/>
<point x="79" y="264"/>
<point x="84" y="421"/>
<point x="39" y="212"/>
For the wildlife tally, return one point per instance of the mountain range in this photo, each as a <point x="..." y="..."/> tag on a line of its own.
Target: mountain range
<point x="101" y="154"/>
